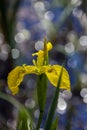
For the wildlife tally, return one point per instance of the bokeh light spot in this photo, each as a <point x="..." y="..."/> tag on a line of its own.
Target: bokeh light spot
<point x="49" y="15"/>
<point x="15" y="53"/>
<point x="19" y="37"/>
<point x="83" y="40"/>
<point x="69" y="48"/>
<point x="62" y="105"/>
<point x="39" y="45"/>
<point x="83" y="92"/>
<point x="67" y="94"/>
<point x="30" y="103"/>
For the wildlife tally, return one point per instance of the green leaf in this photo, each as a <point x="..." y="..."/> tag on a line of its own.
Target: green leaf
<point x="53" y="106"/>
<point x="24" y="122"/>
<point x="55" y="124"/>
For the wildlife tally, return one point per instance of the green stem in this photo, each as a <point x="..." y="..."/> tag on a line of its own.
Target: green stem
<point x="41" y="95"/>
<point x="42" y="87"/>
<point x="39" y="120"/>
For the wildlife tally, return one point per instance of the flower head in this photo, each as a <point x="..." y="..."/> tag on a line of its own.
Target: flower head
<point x="40" y="66"/>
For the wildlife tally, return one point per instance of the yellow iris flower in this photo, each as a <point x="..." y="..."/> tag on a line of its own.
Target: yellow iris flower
<point x="40" y="66"/>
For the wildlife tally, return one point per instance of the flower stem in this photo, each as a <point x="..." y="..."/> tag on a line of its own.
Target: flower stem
<point x="41" y="95"/>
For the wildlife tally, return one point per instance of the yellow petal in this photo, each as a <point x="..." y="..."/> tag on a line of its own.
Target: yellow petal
<point x="31" y="69"/>
<point x="15" y="77"/>
<point x="40" y="57"/>
<point x="49" y="46"/>
<point x="53" y="73"/>
<point x="42" y="54"/>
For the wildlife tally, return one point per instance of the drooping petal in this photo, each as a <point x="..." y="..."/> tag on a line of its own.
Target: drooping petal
<point x="15" y="77"/>
<point x="53" y="73"/>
